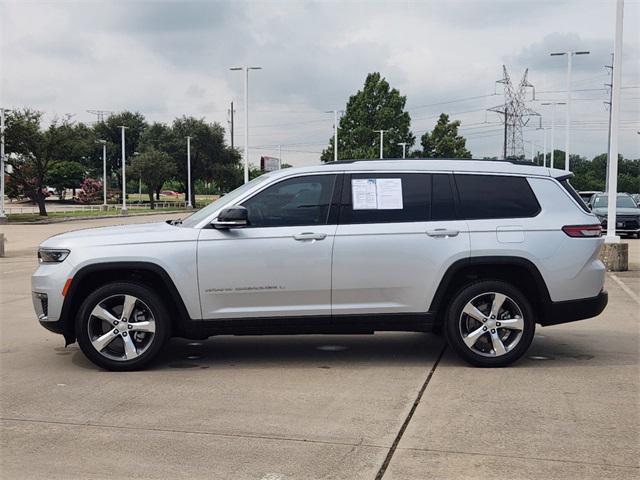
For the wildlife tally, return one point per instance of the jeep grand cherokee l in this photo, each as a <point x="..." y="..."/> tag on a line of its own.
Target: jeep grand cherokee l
<point x="482" y="251"/>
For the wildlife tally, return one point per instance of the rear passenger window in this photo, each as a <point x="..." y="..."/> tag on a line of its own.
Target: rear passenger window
<point x="415" y="191"/>
<point x="495" y="196"/>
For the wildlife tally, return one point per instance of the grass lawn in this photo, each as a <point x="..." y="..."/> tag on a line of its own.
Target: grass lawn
<point x="34" y="217"/>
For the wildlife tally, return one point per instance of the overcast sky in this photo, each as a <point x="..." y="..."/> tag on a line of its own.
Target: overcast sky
<point x="167" y="59"/>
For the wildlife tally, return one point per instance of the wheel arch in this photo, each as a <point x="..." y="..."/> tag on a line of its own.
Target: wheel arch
<point x="95" y="275"/>
<point x="518" y="271"/>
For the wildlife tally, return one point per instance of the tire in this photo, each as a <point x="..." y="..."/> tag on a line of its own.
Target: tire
<point x="137" y="340"/>
<point x="483" y="339"/>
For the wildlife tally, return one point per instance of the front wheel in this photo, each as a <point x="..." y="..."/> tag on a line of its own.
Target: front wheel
<point x="490" y="324"/>
<point x="122" y="326"/>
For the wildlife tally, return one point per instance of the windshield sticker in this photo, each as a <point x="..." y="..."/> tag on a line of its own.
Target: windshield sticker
<point x="376" y="193"/>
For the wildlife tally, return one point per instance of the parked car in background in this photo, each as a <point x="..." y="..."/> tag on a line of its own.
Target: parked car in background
<point x="627" y="213"/>
<point x="587" y="195"/>
<point x="482" y="251"/>
<point x="170" y="193"/>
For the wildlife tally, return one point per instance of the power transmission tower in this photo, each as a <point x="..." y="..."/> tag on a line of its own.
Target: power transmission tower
<point x="99" y="114"/>
<point x="515" y="113"/>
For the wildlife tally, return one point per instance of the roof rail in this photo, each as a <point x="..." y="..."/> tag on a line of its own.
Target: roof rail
<point x="512" y="161"/>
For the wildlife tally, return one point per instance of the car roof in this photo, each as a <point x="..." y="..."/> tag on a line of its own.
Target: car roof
<point x="434" y="165"/>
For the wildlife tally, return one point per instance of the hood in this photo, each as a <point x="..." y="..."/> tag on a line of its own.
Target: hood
<point x="619" y="211"/>
<point x="120" y="234"/>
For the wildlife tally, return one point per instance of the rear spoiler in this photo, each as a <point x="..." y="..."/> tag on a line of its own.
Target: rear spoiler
<point x="560" y="175"/>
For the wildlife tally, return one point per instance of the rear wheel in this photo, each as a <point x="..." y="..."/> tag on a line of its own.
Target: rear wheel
<point x="490" y="324"/>
<point x="122" y="326"/>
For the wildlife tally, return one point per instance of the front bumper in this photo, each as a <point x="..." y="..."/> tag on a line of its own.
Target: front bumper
<point x="573" y="310"/>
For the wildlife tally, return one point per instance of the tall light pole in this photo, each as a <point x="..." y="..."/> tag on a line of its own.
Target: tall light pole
<point x="335" y="134"/>
<point x="404" y="149"/>
<point x="544" y="143"/>
<point x="104" y="171"/>
<point x="612" y="191"/>
<point x="124" y="173"/>
<point x="189" y="171"/>
<point x="553" y="127"/>
<point x="381" y="141"/>
<point x="246" y="117"/>
<point x="3" y="215"/>
<point x="569" y="55"/>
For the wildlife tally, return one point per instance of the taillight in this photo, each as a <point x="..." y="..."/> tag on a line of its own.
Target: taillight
<point x="583" y="231"/>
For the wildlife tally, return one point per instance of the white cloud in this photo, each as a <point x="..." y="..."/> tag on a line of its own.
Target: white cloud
<point x="167" y="59"/>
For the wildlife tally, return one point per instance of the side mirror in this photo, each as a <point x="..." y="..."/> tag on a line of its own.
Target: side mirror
<point x="232" y="217"/>
<point x="589" y="205"/>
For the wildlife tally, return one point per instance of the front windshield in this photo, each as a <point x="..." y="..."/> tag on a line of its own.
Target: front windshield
<point x="205" y="212"/>
<point x="601" y="201"/>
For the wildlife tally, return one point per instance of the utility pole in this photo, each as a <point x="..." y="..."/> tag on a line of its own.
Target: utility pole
<point x="3" y="215"/>
<point x="231" y="113"/>
<point x="610" y="85"/>
<point x="104" y="172"/>
<point x="246" y="117"/>
<point x="279" y="157"/>
<point x="404" y="149"/>
<point x="569" y="55"/>
<point x="99" y="114"/>
<point x="189" y="205"/>
<point x="335" y="132"/>
<point x="124" y="174"/>
<point x="381" y="142"/>
<point x="544" y="142"/>
<point x="553" y="128"/>
<point x="612" y="191"/>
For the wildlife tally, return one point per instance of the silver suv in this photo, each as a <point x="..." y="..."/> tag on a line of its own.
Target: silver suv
<point x="481" y="251"/>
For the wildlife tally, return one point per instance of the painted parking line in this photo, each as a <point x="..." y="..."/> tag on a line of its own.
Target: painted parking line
<point x="624" y="287"/>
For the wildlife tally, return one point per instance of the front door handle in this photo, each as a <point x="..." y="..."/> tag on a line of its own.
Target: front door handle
<point x="442" y="232"/>
<point x="310" y="236"/>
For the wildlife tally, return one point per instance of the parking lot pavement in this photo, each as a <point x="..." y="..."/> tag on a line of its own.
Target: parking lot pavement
<point x="307" y="407"/>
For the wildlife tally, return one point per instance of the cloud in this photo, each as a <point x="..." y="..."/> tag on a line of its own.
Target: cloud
<point x="166" y="59"/>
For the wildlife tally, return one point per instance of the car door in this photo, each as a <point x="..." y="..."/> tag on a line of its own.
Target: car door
<point x="280" y="264"/>
<point x="391" y="259"/>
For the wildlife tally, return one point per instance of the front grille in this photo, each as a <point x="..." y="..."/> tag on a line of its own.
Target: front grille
<point x="628" y="222"/>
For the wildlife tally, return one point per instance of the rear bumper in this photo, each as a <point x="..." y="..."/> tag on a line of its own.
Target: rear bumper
<point x="573" y="310"/>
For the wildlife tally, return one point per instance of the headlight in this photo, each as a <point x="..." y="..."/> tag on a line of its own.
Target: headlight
<point x="52" y="255"/>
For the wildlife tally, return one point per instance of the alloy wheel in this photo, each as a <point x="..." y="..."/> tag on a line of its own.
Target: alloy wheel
<point x="491" y="324"/>
<point x="121" y="327"/>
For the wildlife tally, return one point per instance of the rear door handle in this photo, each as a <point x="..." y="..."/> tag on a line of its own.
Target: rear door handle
<point x="442" y="232"/>
<point x="310" y="236"/>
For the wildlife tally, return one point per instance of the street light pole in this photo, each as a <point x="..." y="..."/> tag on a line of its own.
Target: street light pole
<point x="124" y="173"/>
<point x="381" y="142"/>
<point x="189" y="205"/>
<point x="3" y="215"/>
<point x="553" y="127"/>
<point x="246" y="117"/>
<point x="569" y="55"/>
<point x="404" y="149"/>
<point x="612" y="191"/>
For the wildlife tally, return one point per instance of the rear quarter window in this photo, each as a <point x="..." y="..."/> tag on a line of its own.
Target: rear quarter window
<point x="495" y="196"/>
<point x="572" y="191"/>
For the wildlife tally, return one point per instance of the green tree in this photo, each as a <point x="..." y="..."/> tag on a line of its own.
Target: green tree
<point x="32" y="152"/>
<point x="444" y="141"/>
<point x="110" y="131"/>
<point x="211" y="159"/>
<point x="66" y="174"/>
<point x="154" y="168"/>
<point x="376" y="107"/>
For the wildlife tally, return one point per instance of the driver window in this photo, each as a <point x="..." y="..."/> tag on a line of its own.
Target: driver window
<point x="293" y="202"/>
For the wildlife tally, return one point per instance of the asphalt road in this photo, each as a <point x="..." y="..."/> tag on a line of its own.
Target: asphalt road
<point x="392" y="405"/>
